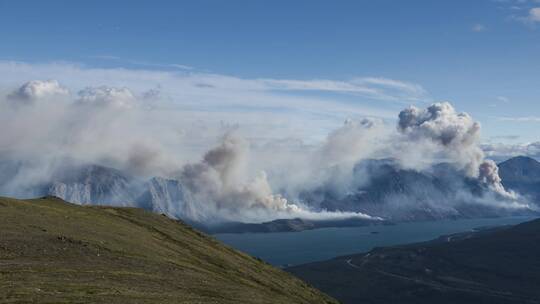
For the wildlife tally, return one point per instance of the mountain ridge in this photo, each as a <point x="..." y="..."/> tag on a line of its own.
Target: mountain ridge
<point x="522" y="174"/>
<point x="391" y="192"/>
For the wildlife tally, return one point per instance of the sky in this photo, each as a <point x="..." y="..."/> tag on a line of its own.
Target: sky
<point x="316" y="63"/>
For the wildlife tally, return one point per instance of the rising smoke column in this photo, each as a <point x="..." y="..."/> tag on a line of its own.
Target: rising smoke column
<point x="456" y="136"/>
<point x="220" y="179"/>
<point x="221" y="189"/>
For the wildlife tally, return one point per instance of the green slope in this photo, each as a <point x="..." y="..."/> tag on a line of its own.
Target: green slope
<point x="55" y="252"/>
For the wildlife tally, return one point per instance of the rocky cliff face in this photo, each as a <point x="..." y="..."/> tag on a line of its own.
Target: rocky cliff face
<point x="92" y="184"/>
<point x="166" y="196"/>
<point x="100" y="185"/>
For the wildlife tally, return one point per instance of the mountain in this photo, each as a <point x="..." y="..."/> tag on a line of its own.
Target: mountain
<point x="488" y="266"/>
<point x="68" y="179"/>
<point x="522" y="174"/>
<point x="55" y="252"/>
<point x="167" y="196"/>
<point x="384" y="189"/>
<point x="92" y="184"/>
<point x="381" y="188"/>
<point x="89" y="184"/>
<point x="520" y="169"/>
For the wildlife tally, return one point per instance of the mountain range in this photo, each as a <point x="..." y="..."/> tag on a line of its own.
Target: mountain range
<point x="391" y="192"/>
<point x="386" y="190"/>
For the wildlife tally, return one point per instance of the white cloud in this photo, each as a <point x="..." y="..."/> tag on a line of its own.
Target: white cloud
<point x="521" y="119"/>
<point x="142" y="63"/>
<point x="37" y="89"/>
<point x="107" y="96"/>
<point x="501" y="151"/>
<point x="376" y="88"/>
<point x="478" y="28"/>
<point x="534" y="15"/>
<point x="272" y="107"/>
<point x="531" y="18"/>
<point x="503" y="99"/>
<point x="371" y="87"/>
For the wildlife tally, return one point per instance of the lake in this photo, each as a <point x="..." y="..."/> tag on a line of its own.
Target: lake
<point x="292" y="248"/>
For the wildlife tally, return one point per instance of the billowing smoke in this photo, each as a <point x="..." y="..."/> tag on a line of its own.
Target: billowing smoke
<point x="220" y="179"/>
<point x="237" y="179"/>
<point x="328" y="164"/>
<point x="220" y="182"/>
<point x="489" y="174"/>
<point x="354" y="140"/>
<point x="114" y="127"/>
<point x="454" y="135"/>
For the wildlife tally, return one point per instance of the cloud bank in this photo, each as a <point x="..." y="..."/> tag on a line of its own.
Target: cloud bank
<point x="252" y="166"/>
<point x="502" y="151"/>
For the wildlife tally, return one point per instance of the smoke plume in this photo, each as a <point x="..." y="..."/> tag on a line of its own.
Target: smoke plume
<point x="220" y="182"/>
<point x="226" y="175"/>
<point x="456" y="136"/>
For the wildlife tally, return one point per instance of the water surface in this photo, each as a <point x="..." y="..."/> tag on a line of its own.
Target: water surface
<point x="292" y="248"/>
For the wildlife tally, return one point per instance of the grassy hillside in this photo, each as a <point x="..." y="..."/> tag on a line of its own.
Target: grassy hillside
<point x="55" y="252"/>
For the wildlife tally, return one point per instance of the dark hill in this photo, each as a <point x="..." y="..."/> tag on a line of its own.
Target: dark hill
<point x="290" y="225"/>
<point x="522" y="174"/>
<point x="520" y="169"/>
<point x="55" y="252"/>
<point x="492" y="266"/>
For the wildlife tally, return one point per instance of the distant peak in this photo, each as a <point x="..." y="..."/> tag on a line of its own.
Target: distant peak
<point x="521" y="159"/>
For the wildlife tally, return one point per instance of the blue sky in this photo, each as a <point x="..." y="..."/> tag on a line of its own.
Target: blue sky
<point x="483" y="56"/>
